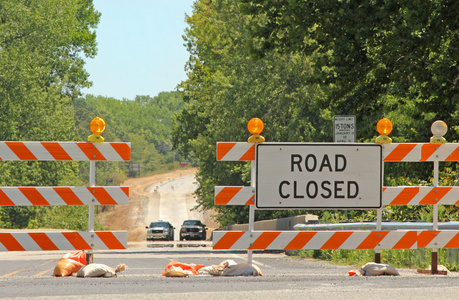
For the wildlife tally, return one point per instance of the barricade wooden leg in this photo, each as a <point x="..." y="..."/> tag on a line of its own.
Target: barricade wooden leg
<point x="89" y="257"/>
<point x="377" y="257"/>
<point x="434" y="263"/>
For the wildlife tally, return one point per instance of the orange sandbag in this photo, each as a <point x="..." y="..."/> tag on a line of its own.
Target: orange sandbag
<point x="79" y="256"/>
<point x="66" y="267"/>
<point x="187" y="267"/>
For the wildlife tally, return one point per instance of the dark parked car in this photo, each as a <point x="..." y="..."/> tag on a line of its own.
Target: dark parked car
<point x="160" y="230"/>
<point x="193" y="229"/>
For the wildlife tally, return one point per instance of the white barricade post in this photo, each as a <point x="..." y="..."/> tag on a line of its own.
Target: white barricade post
<point x="335" y="177"/>
<point x="62" y="195"/>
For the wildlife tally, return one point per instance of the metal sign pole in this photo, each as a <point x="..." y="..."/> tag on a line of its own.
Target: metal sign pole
<point x="434" y="258"/>
<point x="92" y="183"/>
<point x="251" y="208"/>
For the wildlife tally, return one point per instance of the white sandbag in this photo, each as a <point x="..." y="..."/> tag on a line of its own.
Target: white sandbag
<point x="374" y="269"/>
<point x="177" y="272"/>
<point x="96" y="270"/>
<point x="240" y="270"/>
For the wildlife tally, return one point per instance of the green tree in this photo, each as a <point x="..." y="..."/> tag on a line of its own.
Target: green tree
<point x="226" y="88"/>
<point x="367" y="49"/>
<point x="42" y="45"/>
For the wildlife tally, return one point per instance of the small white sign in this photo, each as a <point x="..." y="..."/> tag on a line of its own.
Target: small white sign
<point x="344" y="129"/>
<point x="318" y="176"/>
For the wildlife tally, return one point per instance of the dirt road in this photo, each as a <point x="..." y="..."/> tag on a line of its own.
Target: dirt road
<point x="167" y="197"/>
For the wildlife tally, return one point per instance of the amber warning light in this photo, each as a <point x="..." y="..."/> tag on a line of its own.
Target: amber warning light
<point x="97" y="127"/>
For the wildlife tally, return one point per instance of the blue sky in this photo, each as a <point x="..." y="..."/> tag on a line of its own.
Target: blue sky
<point x="140" y="47"/>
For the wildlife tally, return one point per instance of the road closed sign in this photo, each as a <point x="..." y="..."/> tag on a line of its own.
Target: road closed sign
<point x="318" y="176"/>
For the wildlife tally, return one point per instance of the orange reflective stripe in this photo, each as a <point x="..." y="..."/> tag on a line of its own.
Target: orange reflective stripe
<point x="407" y="241"/>
<point x="33" y="196"/>
<point x="123" y="150"/>
<point x="264" y="240"/>
<point x="405" y="196"/>
<point x="76" y="240"/>
<point x="228" y="240"/>
<point x="223" y="149"/>
<point x="110" y="240"/>
<point x="427" y="150"/>
<point x="453" y="243"/>
<point x="56" y="151"/>
<point x="251" y="201"/>
<point x="454" y="156"/>
<point x="226" y="194"/>
<point x="425" y="237"/>
<point x="372" y="240"/>
<point x="435" y="194"/>
<point x="300" y="240"/>
<point x="90" y="150"/>
<point x="399" y="153"/>
<point x="21" y="151"/>
<point x="250" y="154"/>
<point x="5" y="200"/>
<point x="10" y="243"/>
<point x="68" y="196"/>
<point x="336" y="240"/>
<point x="101" y="195"/>
<point x="43" y="241"/>
<point x="125" y="189"/>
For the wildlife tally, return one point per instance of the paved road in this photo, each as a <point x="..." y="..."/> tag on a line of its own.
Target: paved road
<point x="27" y="275"/>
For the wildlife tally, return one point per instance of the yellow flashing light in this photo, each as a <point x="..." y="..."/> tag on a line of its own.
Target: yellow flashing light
<point x="97" y="127"/>
<point x="255" y="127"/>
<point x="384" y="127"/>
<point x="438" y="129"/>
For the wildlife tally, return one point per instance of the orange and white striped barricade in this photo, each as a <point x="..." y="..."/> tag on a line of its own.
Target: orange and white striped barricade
<point x="61" y="195"/>
<point x="295" y="240"/>
<point x="417" y="152"/>
<point x="433" y="239"/>
<point x="71" y="240"/>
<point x="234" y="195"/>
<point x="241" y="151"/>
<point x="421" y="195"/>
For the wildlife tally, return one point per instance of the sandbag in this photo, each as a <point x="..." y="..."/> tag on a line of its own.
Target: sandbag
<point x="100" y="270"/>
<point x="193" y="268"/>
<point x="242" y="270"/>
<point x="177" y="272"/>
<point x="67" y="267"/>
<point x="374" y="269"/>
<point x="78" y="255"/>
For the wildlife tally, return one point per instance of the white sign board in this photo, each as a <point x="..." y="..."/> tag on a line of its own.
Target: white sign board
<point x="318" y="176"/>
<point x="344" y="129"/>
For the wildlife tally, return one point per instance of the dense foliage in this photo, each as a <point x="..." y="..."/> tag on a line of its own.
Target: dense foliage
<point x="145" y="122"/>
<point x="42" y="47"/>
<point x="296" y="64"/>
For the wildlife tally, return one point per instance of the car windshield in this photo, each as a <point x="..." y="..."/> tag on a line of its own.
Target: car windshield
<point x="192" y="222"/>
<point x="158" y="224"/>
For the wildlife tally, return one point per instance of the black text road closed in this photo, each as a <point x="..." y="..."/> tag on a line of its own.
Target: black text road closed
<point x="318" y="176"/>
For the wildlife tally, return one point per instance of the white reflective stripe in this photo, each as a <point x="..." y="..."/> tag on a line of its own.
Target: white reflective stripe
<point x="6" y="153"/>
<point x="26" y="241"/>
<point x="319" y="239"/>
<point x="118" y="195"/>
<point x="85" y="195"/>
<point x="354" y="240"/>
<point x="50" y="196"/>
<point x="443" y="238"/>
<point x="74" y="151"/>
<point x="16" y="196"/>
<point x="108" y="152"/>
<point x="60" y="241"/>
<point x="40" y="152"/>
